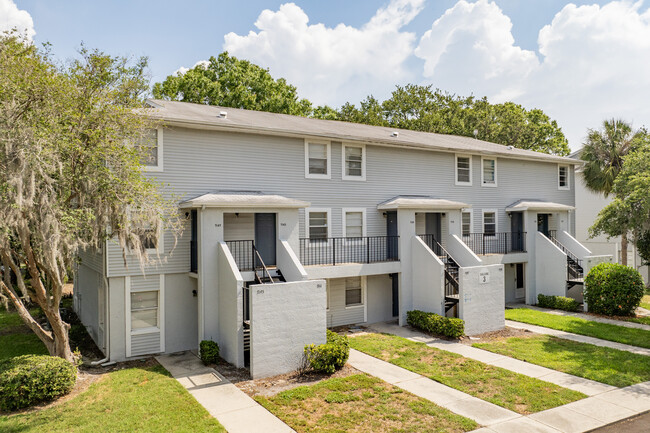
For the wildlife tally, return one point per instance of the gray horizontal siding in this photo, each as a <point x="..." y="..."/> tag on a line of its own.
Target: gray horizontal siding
<point x="338" y="314"/>
<point x="148" y="282"/>
<point x="200" y="161"/>
<point x="93" y="259"/>
<point x="145" y="344"/>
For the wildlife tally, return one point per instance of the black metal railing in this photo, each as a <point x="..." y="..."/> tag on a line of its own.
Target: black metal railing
<point x="244" y="254"/>
<point x="194" y="256"/>
<point x="496" y="243"/>
<point x="574" y="267"/>
<point x="335" y="251"/>
<point x="451" y="266"/>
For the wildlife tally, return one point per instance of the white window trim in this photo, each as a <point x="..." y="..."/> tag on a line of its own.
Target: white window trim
<point x="471" y="219"/>
<point x="364" y="297"/>
<point x="159" y="144"/>
<point x="496" y="220"/>
<point x="329" y="160"/>
<point x="568" y="178"/>
<point x="488" y="185"/>
<point x="329" y="223"/>
<point x="161" y="314"/>
<point x="462" y="155"/>
<point x="363" y="162"/>
<point x="344" y="223"/>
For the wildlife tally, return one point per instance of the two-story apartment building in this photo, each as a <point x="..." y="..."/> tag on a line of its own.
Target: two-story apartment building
<point x="297" y="224"/>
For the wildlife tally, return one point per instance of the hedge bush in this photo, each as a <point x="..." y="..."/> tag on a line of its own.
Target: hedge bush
<point x="613" y="289"/>
<point x="557" y="302"/>
<point x="431" y="322"/>
<point x="30" y="379"/>
<point x="328" y="357"/>
<point x="209" y="352"/>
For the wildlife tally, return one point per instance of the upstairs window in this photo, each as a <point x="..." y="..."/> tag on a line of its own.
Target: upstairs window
<point x="318" y="224"/>
<point x="354" y="164"/>
<point x="489" y="172"/>
<point x="466" y="223"/>
<point x="353" y="223"/>
<point x="563" y="177"/>
<point x="463" y="170"/>
<point x="150" y="148"/>
<point x="317" y="160"/>
<point x="489" y="223"/>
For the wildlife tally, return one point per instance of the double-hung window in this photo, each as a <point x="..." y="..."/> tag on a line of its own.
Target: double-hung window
<point x="144" y="310"/>
<point x="318" y="225"/>
<point x="489" y="223"/>
<point x="354" y="223"/>
<point x="563" y="177"/>
<point x="354" y="162"/>
<point x="463" y="170"/>
<point x="317" y="160"/>
<point x="489" y="172"/>
<point x="466" y="222"/>
<point x="353" y="292"/>
<point x="150" y="148"/>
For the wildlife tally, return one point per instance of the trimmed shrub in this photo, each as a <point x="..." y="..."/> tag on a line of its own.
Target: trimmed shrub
<point x="557" y="302"/>
<point x="30" y="379"/>
<point x="331" y="356"/>
<point x="436" y="324"/>
<point x="613" y="289"/>
<point x="209" y="352"/>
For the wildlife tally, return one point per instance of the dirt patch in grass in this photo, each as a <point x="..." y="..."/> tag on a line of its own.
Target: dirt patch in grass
<point x="497" y="335"/>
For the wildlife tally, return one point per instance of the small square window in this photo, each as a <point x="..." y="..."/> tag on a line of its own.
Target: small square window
<point x="463" y="170"/>
<point x="353" y="293"/>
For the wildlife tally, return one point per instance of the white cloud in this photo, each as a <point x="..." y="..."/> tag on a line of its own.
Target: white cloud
<point x="180" y="71"/>
<point x="11" y="17"/>
<point x="332" y="65"/>
<point x="594" y="62"/>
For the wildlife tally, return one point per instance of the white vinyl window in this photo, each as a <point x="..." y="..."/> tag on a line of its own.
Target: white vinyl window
<point x="353" y="292"/>
<point x="463" y="170"/>
<point x="318" y="228"/>
<point x="317" y="160"/>
<point x="489" y="222"/>
<point x="151" y="150"/>
<point x="466" y="222"/>
<point x="144" y="310"/>
<point x="354" y="162"/>
<point x="563" y="177"/>
<point x="354" y="223"/>
<point x="489" y="172"/>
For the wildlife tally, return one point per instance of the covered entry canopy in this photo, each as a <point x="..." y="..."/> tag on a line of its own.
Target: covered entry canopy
<point x="242" y="200"/>
<point x="420" y="202"/>
<point x="537" y="205"/>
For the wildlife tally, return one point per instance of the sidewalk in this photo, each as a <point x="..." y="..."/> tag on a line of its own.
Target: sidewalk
<point x="578" y="338"/>
<point x="622" y="323"/>
<point x="576" y="417"/>
<point x="235" y="410"/>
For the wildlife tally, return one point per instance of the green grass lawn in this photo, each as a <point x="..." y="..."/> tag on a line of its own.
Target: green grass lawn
<point x="129" y="400"/>
<point x="502" y="387"/>
<point x="604" y="331"/>
<point x="361" y="403"/>
<point x="16" y="338"/>
<point x="602" y="364"/>
<point x="645" y="302"/>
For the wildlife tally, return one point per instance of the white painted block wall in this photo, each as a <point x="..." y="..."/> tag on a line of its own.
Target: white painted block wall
<point x="482" y="298"/>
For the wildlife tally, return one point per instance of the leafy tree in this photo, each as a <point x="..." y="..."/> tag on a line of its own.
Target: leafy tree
<point x="421" y="108"/>
<point x="230" y="82"/>
<point x="69" y="180"/>
<point x="604" y="153"/>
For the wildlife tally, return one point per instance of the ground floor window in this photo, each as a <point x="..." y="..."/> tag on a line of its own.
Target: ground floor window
<point x="144" y="310"/>
<point x="353" y="292"/>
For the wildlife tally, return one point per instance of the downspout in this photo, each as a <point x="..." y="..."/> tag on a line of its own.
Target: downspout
<point x="107" y="308"/>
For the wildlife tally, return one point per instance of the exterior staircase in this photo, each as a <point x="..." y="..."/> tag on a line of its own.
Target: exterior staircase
<point x="575" y="271"/>
<point x="451" y="271"/>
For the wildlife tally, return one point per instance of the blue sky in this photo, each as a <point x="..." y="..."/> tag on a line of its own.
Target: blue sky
<point x="580" y="62"/>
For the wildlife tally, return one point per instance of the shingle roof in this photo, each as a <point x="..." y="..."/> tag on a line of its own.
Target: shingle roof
<point x="537" y="205"/>
<point x="258" y="122"/>
<point x="420" y="202"/>
<point x="243" y="199"/>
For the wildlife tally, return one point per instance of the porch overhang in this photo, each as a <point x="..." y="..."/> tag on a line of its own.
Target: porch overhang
<point x="535" y="205"/>
<point x="421" y="203"/>
<point x="243" y="200"/>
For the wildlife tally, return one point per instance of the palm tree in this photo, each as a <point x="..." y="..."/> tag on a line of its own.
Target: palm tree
<point x="603" y="153"/>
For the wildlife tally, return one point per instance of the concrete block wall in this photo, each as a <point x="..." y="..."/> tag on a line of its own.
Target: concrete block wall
<point x="482" y="298"/>
<point x="428" y="278"/>
<point x="550" y="272"/>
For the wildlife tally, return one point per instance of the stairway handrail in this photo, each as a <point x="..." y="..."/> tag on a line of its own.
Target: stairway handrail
<point x="265" y="270"/>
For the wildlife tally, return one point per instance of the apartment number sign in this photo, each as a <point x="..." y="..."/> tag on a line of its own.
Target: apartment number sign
<point x="484" y="276"/>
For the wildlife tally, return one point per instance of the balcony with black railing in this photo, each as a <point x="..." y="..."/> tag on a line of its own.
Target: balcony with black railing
<point x="496" y="243"/>
<point x="244" y="254"/>
<point x="337" y="251"/>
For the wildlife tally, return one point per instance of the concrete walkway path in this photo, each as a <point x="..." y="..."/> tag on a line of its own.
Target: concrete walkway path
<point x="578" y="338"/>
<point x="580" y="384"/>
<point x="235" y="410"/>
<point x="576" y="417"/>
<point x="589" y="317"/>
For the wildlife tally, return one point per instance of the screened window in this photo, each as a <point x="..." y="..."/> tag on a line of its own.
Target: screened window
<point x="317" y="158"/>
<point x="463" y="170"/>
<point x="318" y="225"/>
<point x="353" y="161"/>
<point x="144" y="310"/>
<point x="489" y="172"/>
<point x="563" y="177"/>
<point x="354" y="224"/>
<point x="489" y="223"/>
<point x="353" y="292"/>
<point x="466" y="222"/>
